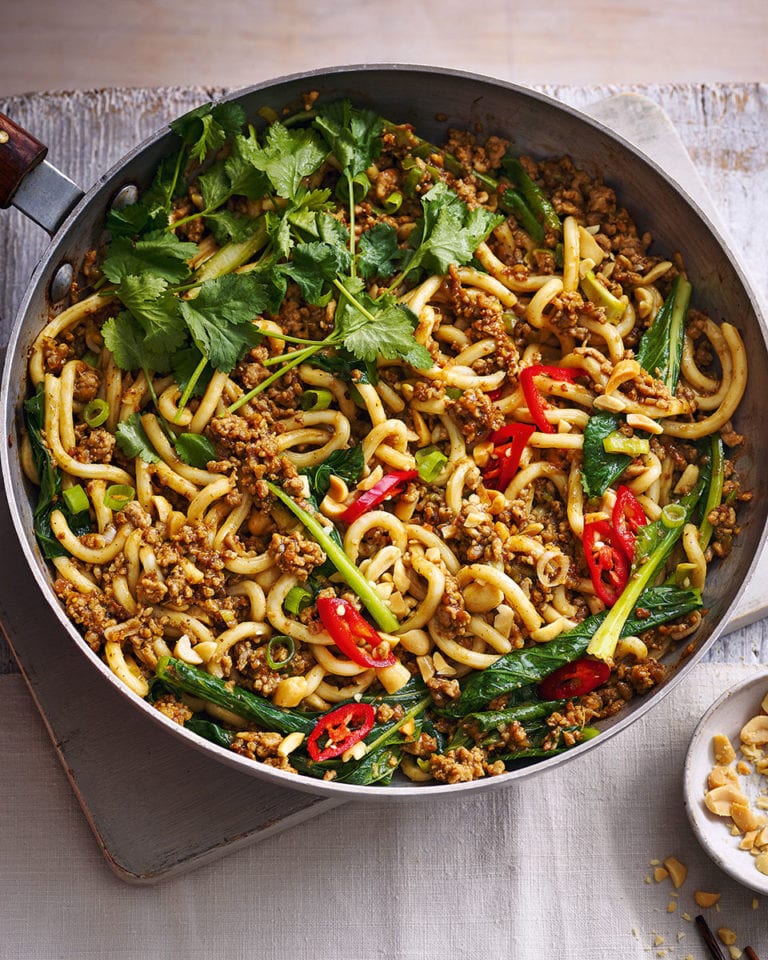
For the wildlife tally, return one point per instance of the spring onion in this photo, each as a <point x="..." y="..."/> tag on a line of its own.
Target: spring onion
<point x="618" y="442"/>
<point x="76" y="498"/>
<point x="380" y="612"/>
<point x="316" y="399"/>
<point x="119" y="495"/>
<point x="430" y="462"/>
<point x="286" y="643"/>
<point x="297" y="599"/>
<point x="96" y="412"/>
<point x="91" y="358"/>
<point x="673" y="515"/>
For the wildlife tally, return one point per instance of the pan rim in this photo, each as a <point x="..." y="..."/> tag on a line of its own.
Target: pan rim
<point x="282" y="778"/>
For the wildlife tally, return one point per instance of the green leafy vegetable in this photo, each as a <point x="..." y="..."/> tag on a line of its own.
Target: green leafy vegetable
<point x="219" y="318"/>
<point x="516" y="672"/>
<point x="449" y="232"/>
<point x="600" y="469"/>
<point x="715" y="491"/>
<point x="371" y="328"/>
<point x="206" y="128"/>
<point x="661" y="346"/>
<point x="250" y="706"/>
<point x="49" y="477"/>
<point x="286" y="157"/>
<point x="346" y="464"/>
<point x="133" y="441"/>
<point x="378" y="252"/>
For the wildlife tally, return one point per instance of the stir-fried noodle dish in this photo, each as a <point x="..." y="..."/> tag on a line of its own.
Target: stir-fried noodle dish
<point x="358" y="454"/>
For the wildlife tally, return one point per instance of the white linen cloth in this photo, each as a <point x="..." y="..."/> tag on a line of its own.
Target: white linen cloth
<point x="556" y="866"/>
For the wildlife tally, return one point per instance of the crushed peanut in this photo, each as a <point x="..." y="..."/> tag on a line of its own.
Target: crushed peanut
<point x="704" y="899"/>
<point x="724" y="796"/>
<point x="677" y="871"/>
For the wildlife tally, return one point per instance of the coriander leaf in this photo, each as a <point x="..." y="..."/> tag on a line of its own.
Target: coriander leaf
<point x="449" y="232"/>
<point x="226" y="226"/>
<point x="127" y="221"/>
<point x="161" y="255"/>
<point x="353" y="135"/>
<point x="206" y="128"/>
<point x="279" y="233"/>
<point x="303" y="213"/>
<point x="372" y="328"/>
<point x="346" y="464"/>
<point x="314" y="266"/>
<point x="345" y="366"/>
<point x="155" y="202"/>
<point x="195" y="449"/>
<point x="125" y="338"/>
<point x="219" y="318"/>
<point x="157" y="311"/>
<point x="378" y="252"/>
<point x="274" y="283"/>
<point x="286" y="157"/>
<point x="133" y="441"/>
<point x="233" y="176"/>
<point x="245" y="179"/>
<point x="184" y="364"/>
<point x="215" y="187"/>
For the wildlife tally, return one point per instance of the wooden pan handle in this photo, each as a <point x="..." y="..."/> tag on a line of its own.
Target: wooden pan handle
<point x="20" y="152"/>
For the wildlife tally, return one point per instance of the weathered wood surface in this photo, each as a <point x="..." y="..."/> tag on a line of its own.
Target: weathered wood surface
<point x="722" y="127"/>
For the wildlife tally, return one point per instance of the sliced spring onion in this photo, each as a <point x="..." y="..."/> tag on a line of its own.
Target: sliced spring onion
<point x="618" y="442"/>
<point x="715" y="492"/>
<point x="76" y="499"/>
<point x="453" y="392"/>
<point x="393" y="202"/>
<point x="280" y="641"/>
<point x="119" y="495"/>
<point x="602" y="297"/>
<point x="429" y="462"/>
<point x="297" y="599"/>
<point x="673" y="516"/>
<point x="91" y="358"/>
<point x="316" y="399"/>
<point x="96" y="412"/>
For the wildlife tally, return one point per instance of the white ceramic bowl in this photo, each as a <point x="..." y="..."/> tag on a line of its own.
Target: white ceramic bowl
<point x="727" y="715"/>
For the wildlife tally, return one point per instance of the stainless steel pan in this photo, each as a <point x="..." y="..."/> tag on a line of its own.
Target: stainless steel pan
<point x="433" y="99"/>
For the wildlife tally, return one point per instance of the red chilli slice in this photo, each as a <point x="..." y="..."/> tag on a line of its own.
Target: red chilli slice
<point x="352" y="633"/>
<point x="574" y="679"/>
<point x="342" y="728"/>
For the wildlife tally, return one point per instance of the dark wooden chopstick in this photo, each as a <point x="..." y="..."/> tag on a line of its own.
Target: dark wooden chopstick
<point x="714" y="947"/>
<point x="709" y="938"/>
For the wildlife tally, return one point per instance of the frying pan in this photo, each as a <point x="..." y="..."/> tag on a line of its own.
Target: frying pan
<point x="433" y="99"/>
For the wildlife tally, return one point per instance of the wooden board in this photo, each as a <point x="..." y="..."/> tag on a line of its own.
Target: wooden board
<point x="186" y="809"/>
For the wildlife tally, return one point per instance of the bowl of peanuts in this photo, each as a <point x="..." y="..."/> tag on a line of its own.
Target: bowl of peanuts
<point x="726" y="782"/>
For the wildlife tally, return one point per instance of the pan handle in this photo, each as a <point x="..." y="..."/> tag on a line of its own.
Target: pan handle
<point x="29" y="182"/>
<point x="20" y="153"/>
